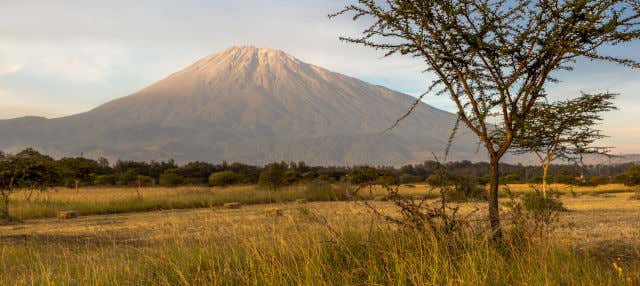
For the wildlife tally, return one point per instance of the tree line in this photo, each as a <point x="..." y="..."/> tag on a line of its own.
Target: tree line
<point x="74" y="172"/>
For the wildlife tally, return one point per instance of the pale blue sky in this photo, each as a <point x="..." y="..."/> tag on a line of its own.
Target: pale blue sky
<point x="63" y="57"/>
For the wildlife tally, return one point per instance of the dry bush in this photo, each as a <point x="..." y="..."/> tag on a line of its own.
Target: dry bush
<point x="533" y="215"/>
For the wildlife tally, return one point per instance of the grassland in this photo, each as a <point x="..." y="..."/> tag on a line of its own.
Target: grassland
<point x="320" y="243"/>
<point x="94" y="201"/>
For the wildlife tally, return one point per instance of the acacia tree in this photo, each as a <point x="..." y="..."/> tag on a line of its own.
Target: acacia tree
<point x="494" y="58"/>
<point x="273" y="177"/>
<point x="24" y="171"/>
<point x="563" y="130"/>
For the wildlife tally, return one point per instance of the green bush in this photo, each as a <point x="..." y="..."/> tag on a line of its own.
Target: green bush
<point x="224" y="178"/>
<point x="319" y="190"/>
<point x="170" y="178"/>
<point x="510" y="179"/>
<point x="105" y="180"/>
<point x="632" y="176"/>
<point x="409" y="179"/>
<point x="388" y="179"/>
<point x="466" y="189"/>
<point x="536" y="202"/>
<point x="536" y="180"/>
<point x="273" y="176"/>
<point x="128" y="178"/>
<point x="565" y="179"/>
<point x="144" y="181"/>
<point x="363" y="175"/>
<point x="598" y="180"/>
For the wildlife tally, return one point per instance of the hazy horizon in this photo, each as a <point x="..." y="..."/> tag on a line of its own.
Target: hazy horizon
<point x="64" y="58"/>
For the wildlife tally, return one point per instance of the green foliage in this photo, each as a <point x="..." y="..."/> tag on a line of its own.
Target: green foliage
<point x="363" y="175"/>
<point x="409" y="179"/>
<point x="565" y="179"/>
<point x="224" y="178"/>
<point x="458" y="188"/>
<point x="631" y="177"/>
<point x="598" y="180"/>
<point x="105" y="180"/>
<point x="196" y="173"/>
<point x="273" y="176"/>
<point x="466" y="189"/>
<point x="536" y="202"/>
<point x="319" y="190"/>
<point x="388" y="179"/>
<point x="79" y="169"/>
<point x="565" y="129"/>
<point x="128" y="178"/>
<point x="291" y="177"/>
<point x="170" y="178"/>
<point x="28" y="169"/>
<point x="144" y="181"/>
<point x="510" y="179"/>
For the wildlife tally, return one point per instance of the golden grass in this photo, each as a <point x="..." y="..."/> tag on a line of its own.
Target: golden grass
<point x="608" y="188"/>
<point x="245" y="246"/>
<point x="88" y="201"/>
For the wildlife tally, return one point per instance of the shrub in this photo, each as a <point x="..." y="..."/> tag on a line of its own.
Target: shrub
<point x="291" y="177"/>
<point x="536" y="202"/>
<point x="128" y="178"/>
<point x="598" y="180"/>
<point x="224" y="178"/>
<point x="196" y="172"/>
<point x="632" y="176"/>
<point x="536" y="180"/>
<point x="105" y="180"/>
<point x="388" y="179"/>
<point x="409" y="179"/>
<point x="144" y="181"/>
<point x="533" y="216"/>
<point x="273" y="176"/>
<point x="363" y="175"/>
<point x="170" y="178"/>
<point x="466" y="189"/>
<point x="510" y="179"/>
<point x="565" y="179"/>
<point x="319" y="190"/>
<point x="308" y="176"/>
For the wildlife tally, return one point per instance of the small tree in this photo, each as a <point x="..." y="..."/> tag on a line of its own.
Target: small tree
<point x="563" y="130"/>
<point x="630" y="177"/>
<point x="170" y="178"/>
<point x="78" y="171"/>
<point x="224" y="178"/>
<point x="494" y="59"/>
<point x="24" y="171"/>
<point x="273" y="176"/>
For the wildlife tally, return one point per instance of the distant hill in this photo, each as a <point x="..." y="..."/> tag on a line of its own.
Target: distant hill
<point x="249" y="105"/>
<point x="614" y="159"/>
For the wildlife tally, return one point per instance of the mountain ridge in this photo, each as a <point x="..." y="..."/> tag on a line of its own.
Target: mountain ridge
<point x="253" y="105"/>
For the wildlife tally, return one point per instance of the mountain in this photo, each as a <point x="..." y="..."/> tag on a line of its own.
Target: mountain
<point x="249" y="105"/>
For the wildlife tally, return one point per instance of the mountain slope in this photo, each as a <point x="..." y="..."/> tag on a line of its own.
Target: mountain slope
<point x="250" y="105"/>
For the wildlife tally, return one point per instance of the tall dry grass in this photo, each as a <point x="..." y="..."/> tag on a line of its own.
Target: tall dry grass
<point x="342" y="257"/>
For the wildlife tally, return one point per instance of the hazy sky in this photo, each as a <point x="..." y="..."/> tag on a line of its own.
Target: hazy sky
<point x="63" y="57"/>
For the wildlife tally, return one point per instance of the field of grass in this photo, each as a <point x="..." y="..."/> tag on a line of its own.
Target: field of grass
<point x="320" y="243"/>
<point x="93" y="201"/>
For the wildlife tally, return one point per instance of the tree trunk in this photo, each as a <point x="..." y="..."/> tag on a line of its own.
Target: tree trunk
<point x="545" y="174"/>
<point x="494" y="211"/>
